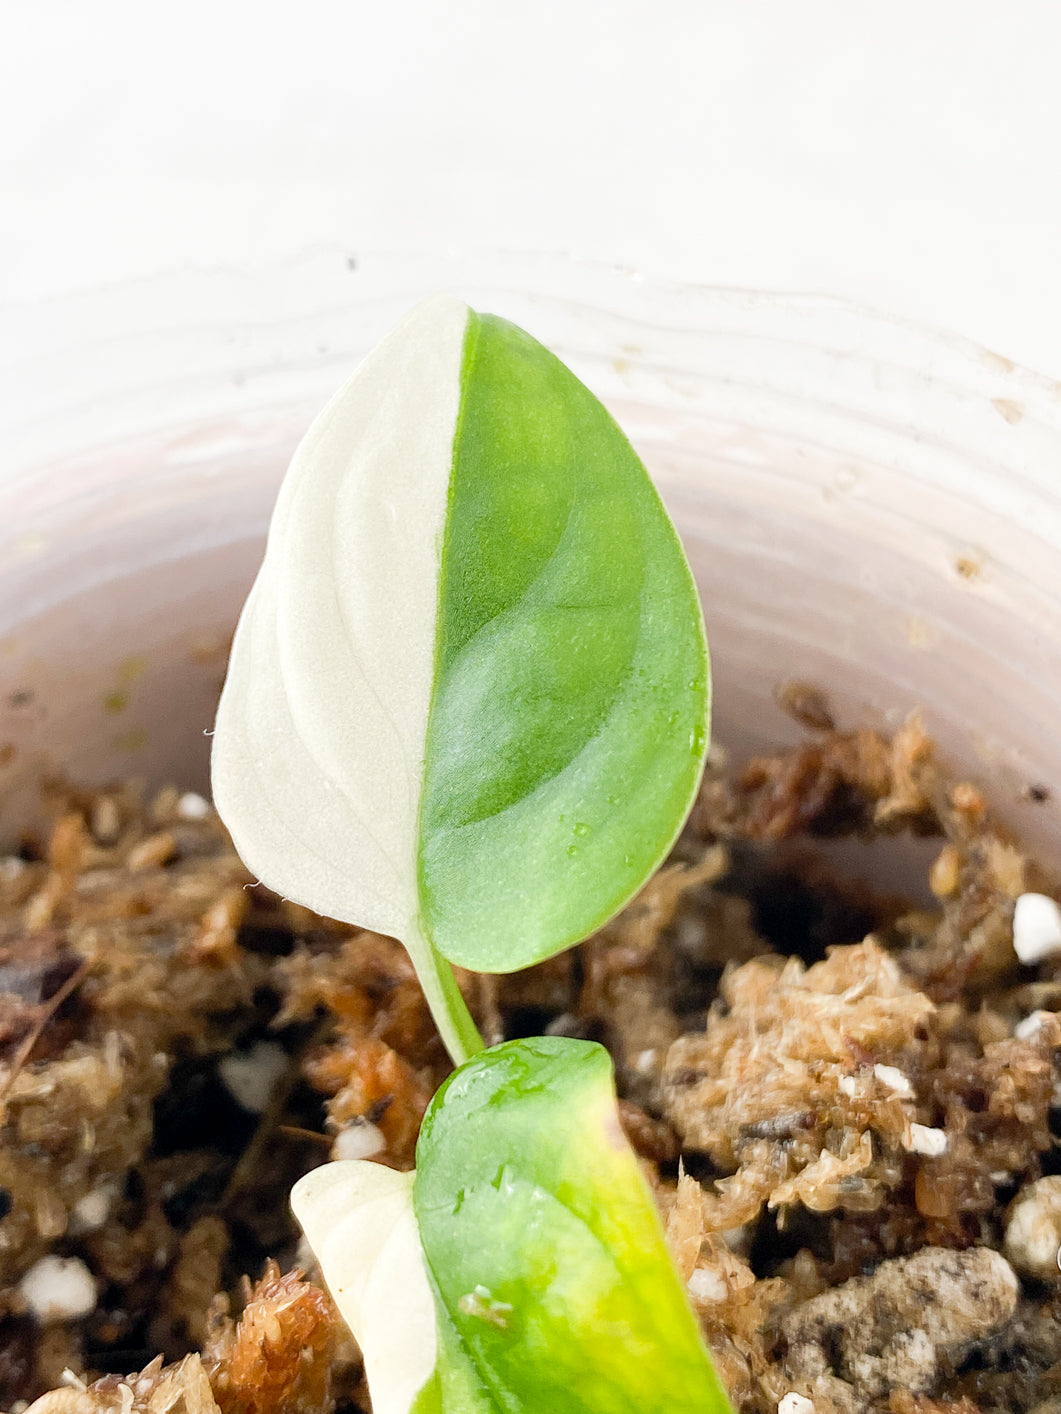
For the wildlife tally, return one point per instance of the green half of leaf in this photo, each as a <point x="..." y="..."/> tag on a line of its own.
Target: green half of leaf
<point x="542" y="1243"/>
<point x="568" y="720"/>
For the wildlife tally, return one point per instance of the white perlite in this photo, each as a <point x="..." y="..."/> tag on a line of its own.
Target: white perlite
<point x="1033" y="1233"/>
<point x="1036" y="928"/>
<point x="193" y="807"/>
<point x="894" y="1079"/>
<point x="59" y="1289"/>
<point x="360" y="1140"/>
<point x="250" y="1076"/>
<point x="92" y="1211"/>
<point x="793" y="1403"/>
<point x="706" y="1285"/>
<point x="927" y="1141"/>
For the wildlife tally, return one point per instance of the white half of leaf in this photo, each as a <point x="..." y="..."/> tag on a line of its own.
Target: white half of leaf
<point x="358" y="1218"/>
<point x="319" y="740"/>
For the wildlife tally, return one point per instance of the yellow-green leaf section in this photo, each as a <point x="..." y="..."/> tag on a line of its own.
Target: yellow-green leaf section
<point x="568" y="720"/>
<point x="544" y="1248"/>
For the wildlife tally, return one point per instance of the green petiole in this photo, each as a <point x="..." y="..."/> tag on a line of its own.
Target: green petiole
<point x="449" y="1011"/>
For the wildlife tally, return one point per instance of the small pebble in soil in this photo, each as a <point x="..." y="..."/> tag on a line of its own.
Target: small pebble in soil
<point x="59" y="1289"/>
<point x="1033" y="1232"/>
<point x="1036" y="928"/>
<point x="899" y="1327"/>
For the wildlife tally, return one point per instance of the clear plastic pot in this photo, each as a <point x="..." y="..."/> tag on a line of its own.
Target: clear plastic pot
<point x="870" y="506"/>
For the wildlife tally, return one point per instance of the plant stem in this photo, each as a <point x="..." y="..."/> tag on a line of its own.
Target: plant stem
<point x="444" y="1000"/>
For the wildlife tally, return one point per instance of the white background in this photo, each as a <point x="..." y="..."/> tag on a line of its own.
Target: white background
<point x="906" y="155"/>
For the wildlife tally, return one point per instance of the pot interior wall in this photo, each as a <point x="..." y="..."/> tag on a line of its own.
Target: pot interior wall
<point x="867" y="507"/>
<point x="117" y="672"/>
